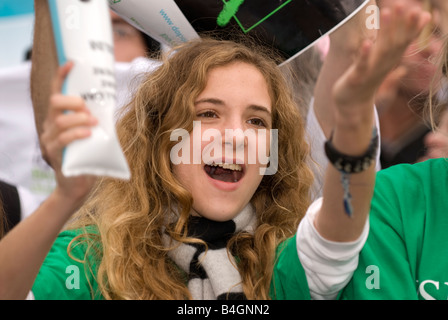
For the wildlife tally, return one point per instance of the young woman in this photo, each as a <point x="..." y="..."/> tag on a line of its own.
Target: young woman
<point x="207" y="230"/>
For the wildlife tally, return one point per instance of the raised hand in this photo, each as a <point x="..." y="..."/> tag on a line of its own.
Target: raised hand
<point x="68" y="119"/>
<point x="353" y="98"/>
<point x="399" y="26"/>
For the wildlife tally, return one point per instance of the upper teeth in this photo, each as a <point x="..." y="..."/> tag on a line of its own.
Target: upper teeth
<point x="230" y="166"/>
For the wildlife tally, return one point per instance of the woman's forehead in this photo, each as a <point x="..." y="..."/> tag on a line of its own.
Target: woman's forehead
<point x="239" y="81"/>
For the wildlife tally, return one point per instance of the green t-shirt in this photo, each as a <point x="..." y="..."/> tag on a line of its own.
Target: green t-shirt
<point x="406" y="254"/>
<point x="63" y="278"/>
<point x="64" y="275"/>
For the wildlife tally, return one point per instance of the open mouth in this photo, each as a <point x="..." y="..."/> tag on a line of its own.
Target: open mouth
<point x="225" y="172"/>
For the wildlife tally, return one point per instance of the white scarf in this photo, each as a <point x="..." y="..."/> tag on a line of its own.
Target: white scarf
<point x="212" y="274"/>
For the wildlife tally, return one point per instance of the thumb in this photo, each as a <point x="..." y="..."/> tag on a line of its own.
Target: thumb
<point x="61" y="75"/>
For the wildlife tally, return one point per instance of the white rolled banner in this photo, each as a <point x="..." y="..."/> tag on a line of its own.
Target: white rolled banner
<point x="290" y="26"/>
<point x="83" y="35"/>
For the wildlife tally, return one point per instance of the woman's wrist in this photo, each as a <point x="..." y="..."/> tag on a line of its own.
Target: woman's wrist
<point x="63" y="204"/>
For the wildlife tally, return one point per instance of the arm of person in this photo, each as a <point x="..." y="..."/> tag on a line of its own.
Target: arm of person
<point x="24" y="248"/>
<point x="338" y="237"/>
<point x="344" y="48"/>
<point x="353" y="100"/>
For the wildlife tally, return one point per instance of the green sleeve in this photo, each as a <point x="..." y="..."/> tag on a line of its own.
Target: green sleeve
<point x="63" y="276"/>
<point x="289" y="279"/>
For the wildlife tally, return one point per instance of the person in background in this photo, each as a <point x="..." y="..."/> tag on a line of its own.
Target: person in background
<point x="402" y="97"/>
<point x="436" y="142"/>
<point x="131" y="43"/>
<point x="11" y="206"/>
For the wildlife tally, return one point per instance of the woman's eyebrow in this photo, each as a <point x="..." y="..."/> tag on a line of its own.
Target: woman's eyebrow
<point x="260" y="108"/>
<point x="210" y="100"/>
<point x="222" y="103"/>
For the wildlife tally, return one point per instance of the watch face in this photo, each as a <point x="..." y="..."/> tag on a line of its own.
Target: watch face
<point x="290" y="26"/>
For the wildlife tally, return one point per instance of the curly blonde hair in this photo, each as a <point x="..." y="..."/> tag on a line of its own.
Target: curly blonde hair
<point x="130" y="216"/>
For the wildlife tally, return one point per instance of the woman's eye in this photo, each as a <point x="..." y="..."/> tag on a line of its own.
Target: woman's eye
<point x="207" y="114"/>
<point x="257" y="122"/>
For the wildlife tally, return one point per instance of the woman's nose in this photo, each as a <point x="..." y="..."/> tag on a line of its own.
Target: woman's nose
<point x="234" y="135"/>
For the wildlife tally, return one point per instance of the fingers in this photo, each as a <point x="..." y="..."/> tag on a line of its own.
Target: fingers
<point x="60" y="77"/>
<point x="400" y="25"/>
<point x="72" y="126"/>
<point x="422" y="20"/>
<point x="362" y="63"/>
<point x="60" y="103"/>
<point x="402" y="22"/>
<point x="56" y="138"/>
<point x="56" y="145"/>
<point x="407" y="22"/>
<point x="68" y="119"/>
